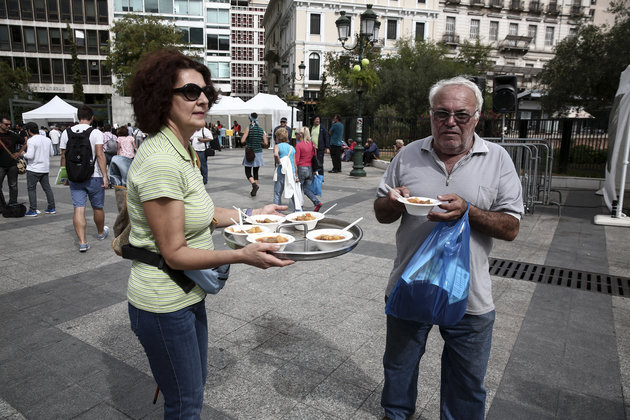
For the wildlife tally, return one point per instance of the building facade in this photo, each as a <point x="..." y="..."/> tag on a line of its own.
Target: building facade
<point x="34" y="36"/>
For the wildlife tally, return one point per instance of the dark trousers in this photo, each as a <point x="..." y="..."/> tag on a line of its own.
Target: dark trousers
<point x="203" y="161"/>
<point x="11" y="173"/>
<point x="335" y="155"/>
<point x="32" y="178"/>
<point x="320" y="161"/>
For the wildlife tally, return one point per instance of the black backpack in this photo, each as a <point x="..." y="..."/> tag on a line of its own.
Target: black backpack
<point x="79" y="159"/>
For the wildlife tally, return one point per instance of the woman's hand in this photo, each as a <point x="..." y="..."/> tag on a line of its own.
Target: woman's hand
<point x="258" y="255"/>
<point x="270" y="209"/>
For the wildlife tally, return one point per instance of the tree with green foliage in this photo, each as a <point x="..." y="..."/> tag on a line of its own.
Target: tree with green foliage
<point x="475" y="55"/>
<point x="400" y="81"/>
<point x="135" y="36"/>
<point x="586" y="67"/>
<point x="407" y="76"/>
<point x="77" y="83"/>
<point x="12" y="83"/>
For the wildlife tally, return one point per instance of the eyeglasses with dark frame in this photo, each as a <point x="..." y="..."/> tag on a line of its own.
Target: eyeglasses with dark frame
<point x="192" y="92"/>
<point x="460" y="117"/>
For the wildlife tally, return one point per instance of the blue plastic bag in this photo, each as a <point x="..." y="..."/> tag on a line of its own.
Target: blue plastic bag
<point x="434" y="286"/>
<point x="316" y="185"/>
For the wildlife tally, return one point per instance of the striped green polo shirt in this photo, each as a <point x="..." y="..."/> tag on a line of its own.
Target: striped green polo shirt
<point x="164" y="168"/>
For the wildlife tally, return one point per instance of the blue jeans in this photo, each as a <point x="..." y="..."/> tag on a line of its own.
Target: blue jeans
<point x="464" y="362"/>
<point x="176" y="345"/>
<point x="305" y="173"/>
<point x="278" y="189"/>
<point x="203" y="160"/>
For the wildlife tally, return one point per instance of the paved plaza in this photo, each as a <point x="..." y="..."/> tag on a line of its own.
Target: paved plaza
<point x="306" y="341"/>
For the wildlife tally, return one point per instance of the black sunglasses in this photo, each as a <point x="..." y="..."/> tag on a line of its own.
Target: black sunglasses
<point x="192" y="92"/>
<point x="459" y="117"/>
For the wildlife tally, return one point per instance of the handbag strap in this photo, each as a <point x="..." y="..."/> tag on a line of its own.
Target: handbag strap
<point x="7" y="149"/>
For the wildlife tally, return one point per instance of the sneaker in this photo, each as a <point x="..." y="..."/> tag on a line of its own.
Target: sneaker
<point x="104" y="234"/>
<point x="254" y="189"/>
<point x="31" y="213"/>
<point x="317" y="207"/>
<point x="50" y="211"/>
<point x="84" y="247"/>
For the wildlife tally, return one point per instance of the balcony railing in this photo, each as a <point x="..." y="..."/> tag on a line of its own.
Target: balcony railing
<point x="496" y="4"/>
<point x="516" y="5"/>
<point x="552" y="8"/>
<point x="450" y="38"/>
<point x="478" y="3"/>
<point x="535" y="7"/>
<point x="515" y="44"/>
<point x="576" y="10"/>
<point x="452" y="1"/>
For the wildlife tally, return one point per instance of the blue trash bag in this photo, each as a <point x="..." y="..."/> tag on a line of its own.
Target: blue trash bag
<point x="434" y="286"/>
<point x="316" y="185"/>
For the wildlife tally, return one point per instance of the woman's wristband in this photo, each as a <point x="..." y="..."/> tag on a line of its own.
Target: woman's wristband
<point x="248" y="212"/>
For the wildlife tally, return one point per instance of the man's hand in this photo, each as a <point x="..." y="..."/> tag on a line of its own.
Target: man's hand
<point x="454" y="207"/>
<point x="388" y="209"/>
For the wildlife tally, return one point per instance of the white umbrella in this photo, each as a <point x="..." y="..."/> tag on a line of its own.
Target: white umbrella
<point x="618" y="149"/>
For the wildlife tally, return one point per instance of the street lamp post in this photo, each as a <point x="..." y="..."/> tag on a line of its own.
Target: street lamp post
<point x="368" y="33"/>
<point x="285" y="73"/>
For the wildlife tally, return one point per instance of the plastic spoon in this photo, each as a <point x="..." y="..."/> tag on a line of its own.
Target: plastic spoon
<point x="240" y="213"/>
<point x="329" y="208"/>
<point x="239" y="223"/>
<point x="396" y="193"/>
<point x="352" y="224"/>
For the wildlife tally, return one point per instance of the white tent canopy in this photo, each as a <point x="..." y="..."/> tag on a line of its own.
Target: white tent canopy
<point x="55" y="111"/>
<point x="270" y="108"/>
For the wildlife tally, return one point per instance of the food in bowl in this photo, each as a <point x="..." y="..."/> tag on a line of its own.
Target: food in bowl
<point x="417" y="200"/>
<point x="281" y="239"/>
<point x="329" y="239"/>
<point x="272" y="221"/>
<point x="305" y="217"/>
<point x="419" y="206"/>
<point x="308" y="218"/>
<point x="277" y="239"/>
<point x="237" y="235"/>
<point x="253" y="229"/>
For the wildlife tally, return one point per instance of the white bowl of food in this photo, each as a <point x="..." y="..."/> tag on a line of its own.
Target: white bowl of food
<point x="309" y="217"/>
<point x="272" y="221"/>
<point x="281" y="239"/>
<point x="419" y="206"/>
<point x="329" y="239"/>
<point x="240" y="236"/>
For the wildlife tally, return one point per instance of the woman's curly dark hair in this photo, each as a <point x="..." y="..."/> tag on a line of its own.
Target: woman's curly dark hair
<point x="152" y="86"/>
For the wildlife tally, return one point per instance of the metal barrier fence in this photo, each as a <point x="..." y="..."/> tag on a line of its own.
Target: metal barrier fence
<point x="533" y="159"/>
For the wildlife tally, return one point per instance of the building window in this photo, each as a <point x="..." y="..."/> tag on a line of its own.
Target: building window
<point x="92" y="42"/>
<point x="450" y="25"/>
<point x="27" y="9"/>
<point x="57" y="70"/>
<point x="494" y="31"/>
<point x="55" y="40"/>
<point x="77" y="11"/>
<point x="513" y="30"/>
<point x="218" y="42"/>
<point x="549" y="36"/>
<point x="42" y="40"/>
<point x="13" y="9"/>
<point x="40" y="9"/>
<point x="94" y="77"/>
<point x="474" y="29"/>
<point x="103" y="37"/>
<point x="64" y="6"/>
<point x="531" y="32"/>
<point x="16" y="38"/>
<point x="166" y="6"/>
<point x="391" y="28"/>
<point x="44" y="69"/>
<point x="53" y="11"/>
<point x="419" y="31"/>
<point x="218" y="16"/>
<point x="29" y="39"/>
<point x="422" y="1"/>
<point x="316" y="24"/>
<point x="33" y="69"/>
<point x="5" y="44"/>
<point x="313" y="66"/>
<point x="90" y="11"/>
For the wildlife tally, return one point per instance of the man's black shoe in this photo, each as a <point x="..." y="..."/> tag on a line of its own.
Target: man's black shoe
<point x="333" y="172"/>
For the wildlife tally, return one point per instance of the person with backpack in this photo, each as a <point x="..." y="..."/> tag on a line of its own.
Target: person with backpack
<point x="82" y="156"/>
<point x="110" y="143"/>
<point x="200" y="142"/>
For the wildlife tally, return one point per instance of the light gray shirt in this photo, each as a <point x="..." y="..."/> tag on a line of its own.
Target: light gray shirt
<point x="485" y="177"/>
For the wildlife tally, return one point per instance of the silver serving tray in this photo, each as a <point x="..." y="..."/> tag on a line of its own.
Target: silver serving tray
<point x="303" y="249"/>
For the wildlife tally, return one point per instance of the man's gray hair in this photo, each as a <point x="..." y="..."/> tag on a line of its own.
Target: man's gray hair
<point x="456" y="81"/>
